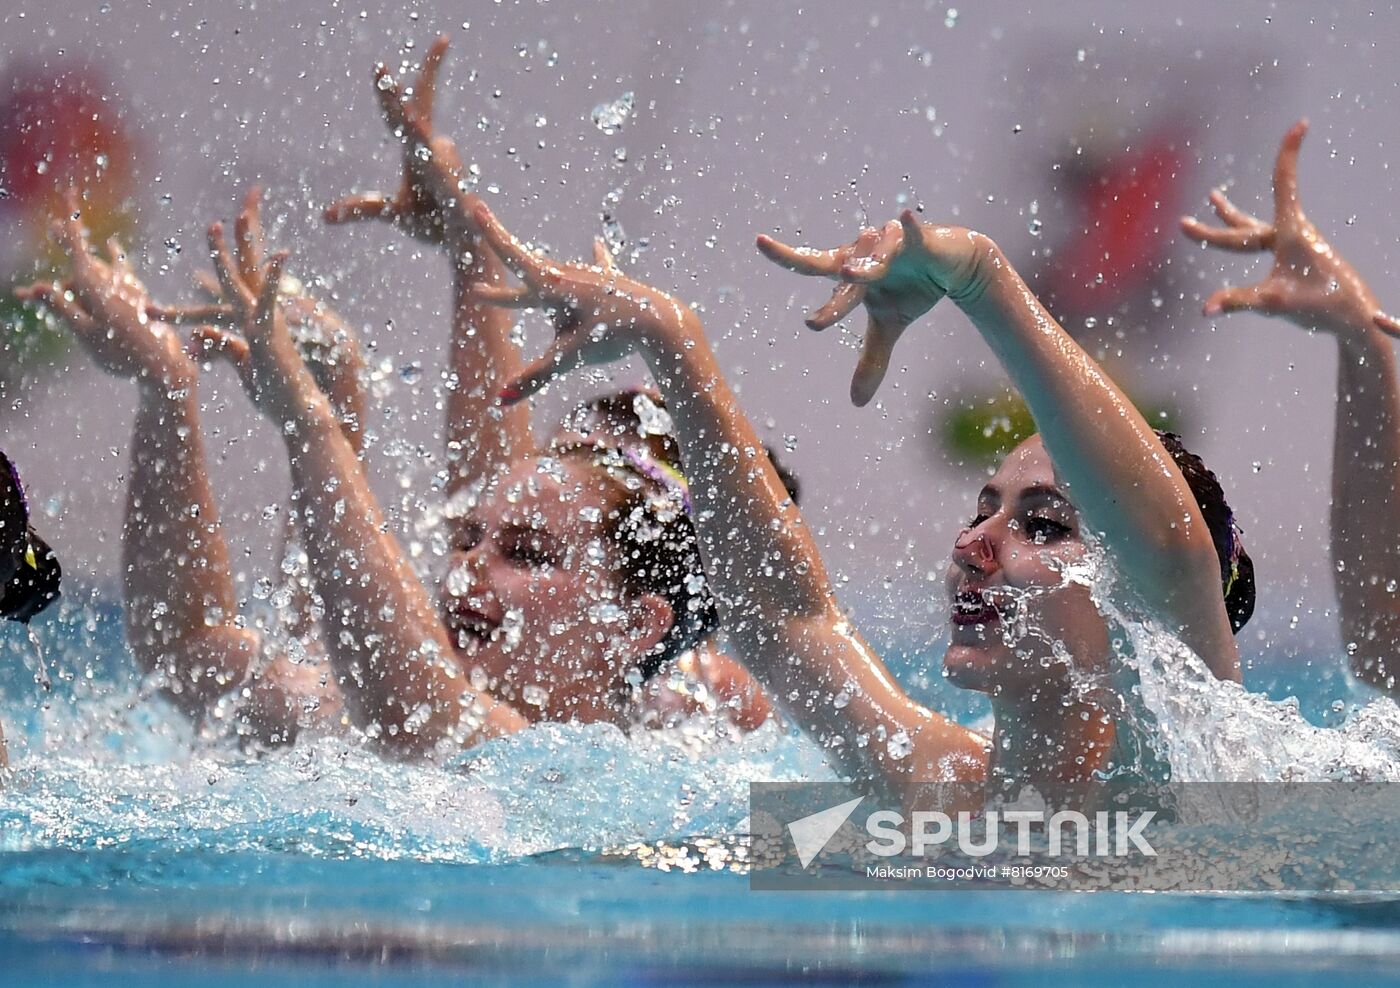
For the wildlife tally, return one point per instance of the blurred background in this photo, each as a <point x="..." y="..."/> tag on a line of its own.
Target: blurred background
<point x="1075" y="135"/>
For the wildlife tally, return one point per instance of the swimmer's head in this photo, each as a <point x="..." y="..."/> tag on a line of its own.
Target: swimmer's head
<point x="29" y="570"/>
<point x="576" y="576"/>
<point x="1022" y="612"/>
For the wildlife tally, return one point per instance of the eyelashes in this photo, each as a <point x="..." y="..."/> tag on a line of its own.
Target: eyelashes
<point x="1040" y="529"/>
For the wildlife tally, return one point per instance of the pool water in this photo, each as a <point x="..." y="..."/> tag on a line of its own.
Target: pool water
<point x="132" y="852"/>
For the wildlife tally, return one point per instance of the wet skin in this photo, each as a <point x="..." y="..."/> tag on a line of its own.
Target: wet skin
<point x="536" y="548"/>
<point x="1009" y="597"/>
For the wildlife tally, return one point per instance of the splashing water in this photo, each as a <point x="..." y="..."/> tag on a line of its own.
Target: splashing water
<point x="609" y="117"/>
<point x="41" y="668"/>
<point x="1211" y="730"/>
<point x="1203" y="728"/>
<point x="549" y="787"/>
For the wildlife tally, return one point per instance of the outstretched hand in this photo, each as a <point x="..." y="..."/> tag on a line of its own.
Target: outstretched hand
<point x="107" y="307"/>
<point x="330" y="348"/>
<point x="599" y="314"/>
<point x="432" y="202"/>
<point x="898" y="271"/>
<point x="263" y="353"/>
<point x="1310" y="283"/>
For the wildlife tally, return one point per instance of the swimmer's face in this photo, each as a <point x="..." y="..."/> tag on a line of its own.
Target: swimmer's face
<point x="1018" y="624"/>
<point x="532" y="599"/>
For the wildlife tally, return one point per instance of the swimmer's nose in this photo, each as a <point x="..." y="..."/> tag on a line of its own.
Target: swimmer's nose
<point x="972" y="553"/>
<point x="474" y="565"/>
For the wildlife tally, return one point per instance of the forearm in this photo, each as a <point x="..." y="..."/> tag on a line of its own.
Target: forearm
<point x="482" y="435"/>
<point x="758" y="552"/>
<point x="836" y="689"/>
<point x="390" y="652"/>
<point x="1101" y="445"/>
<point x="176" y="578"/>
<point x="777" y="603"/>
<point x="1365" y="519"/>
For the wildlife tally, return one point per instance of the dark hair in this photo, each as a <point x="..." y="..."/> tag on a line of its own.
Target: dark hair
<point x="29" y="570"/>
<point x="660" y="550"/>
<point x="616" y="416"/>
<point x="791" y="484"/>
<point x="1236" y="568"/>
<point x="653" y="527"/>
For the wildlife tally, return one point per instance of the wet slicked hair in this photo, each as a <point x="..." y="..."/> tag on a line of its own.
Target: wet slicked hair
<point x="660" y="551"/>
<point x="1236" y="568"/>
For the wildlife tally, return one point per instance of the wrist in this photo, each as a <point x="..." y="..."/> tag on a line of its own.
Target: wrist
<point x="961" y="262"/>
<point x="675" y="348"/>
<point x="1359" y="341"/>
<point x="973" y="274"/>
<point x="175" y="386"/>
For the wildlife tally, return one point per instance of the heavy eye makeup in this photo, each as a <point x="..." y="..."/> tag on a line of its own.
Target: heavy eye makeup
<point x="469" y="535"/>
<point x="1046" y="516"/>
<point x="530" y="547"/>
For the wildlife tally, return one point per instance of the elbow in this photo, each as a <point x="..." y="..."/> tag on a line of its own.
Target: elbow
<point x="196" y="670"/>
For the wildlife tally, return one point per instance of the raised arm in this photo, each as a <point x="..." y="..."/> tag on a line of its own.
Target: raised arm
<point x="776" y="600"/>
<point x="180" y="606"/>
<point x="391" y="653"/>
<point x="285" y="695"/>
<point x="1312" y="285"/>
<point x="433" y="205"/>
<point x="1114" y="468"/>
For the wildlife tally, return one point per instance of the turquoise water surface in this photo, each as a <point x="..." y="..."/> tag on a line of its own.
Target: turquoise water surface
<point x="133" y="852"/>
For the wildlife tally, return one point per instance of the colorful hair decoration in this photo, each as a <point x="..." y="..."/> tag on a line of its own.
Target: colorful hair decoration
<point x="659" y="472"/>
<point x="638" y="460"/>
<point x="1234" y="547"/>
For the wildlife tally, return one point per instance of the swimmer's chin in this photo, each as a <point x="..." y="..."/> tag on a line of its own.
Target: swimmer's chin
<point x="974" y="665"/>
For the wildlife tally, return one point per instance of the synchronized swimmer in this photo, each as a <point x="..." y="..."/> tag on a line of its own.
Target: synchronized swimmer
<point x="646" y="561"/>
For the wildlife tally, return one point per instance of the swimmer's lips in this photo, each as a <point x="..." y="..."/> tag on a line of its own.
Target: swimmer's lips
<point x="970" y="608"/>
<point x="471" y="627"/>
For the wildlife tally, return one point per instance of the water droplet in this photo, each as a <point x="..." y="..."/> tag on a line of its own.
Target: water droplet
<point x="1035" y="226"/>
<point x="606" y="613"/>
<point x="613" y="235"/>
<point x="950" y="19"/>
<point x="652" y="419"/>
<point x="385" y="82"/>
<point x="899" y="746"/>
<point x="411" y="373"/>
<point x="609" y="117"/>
